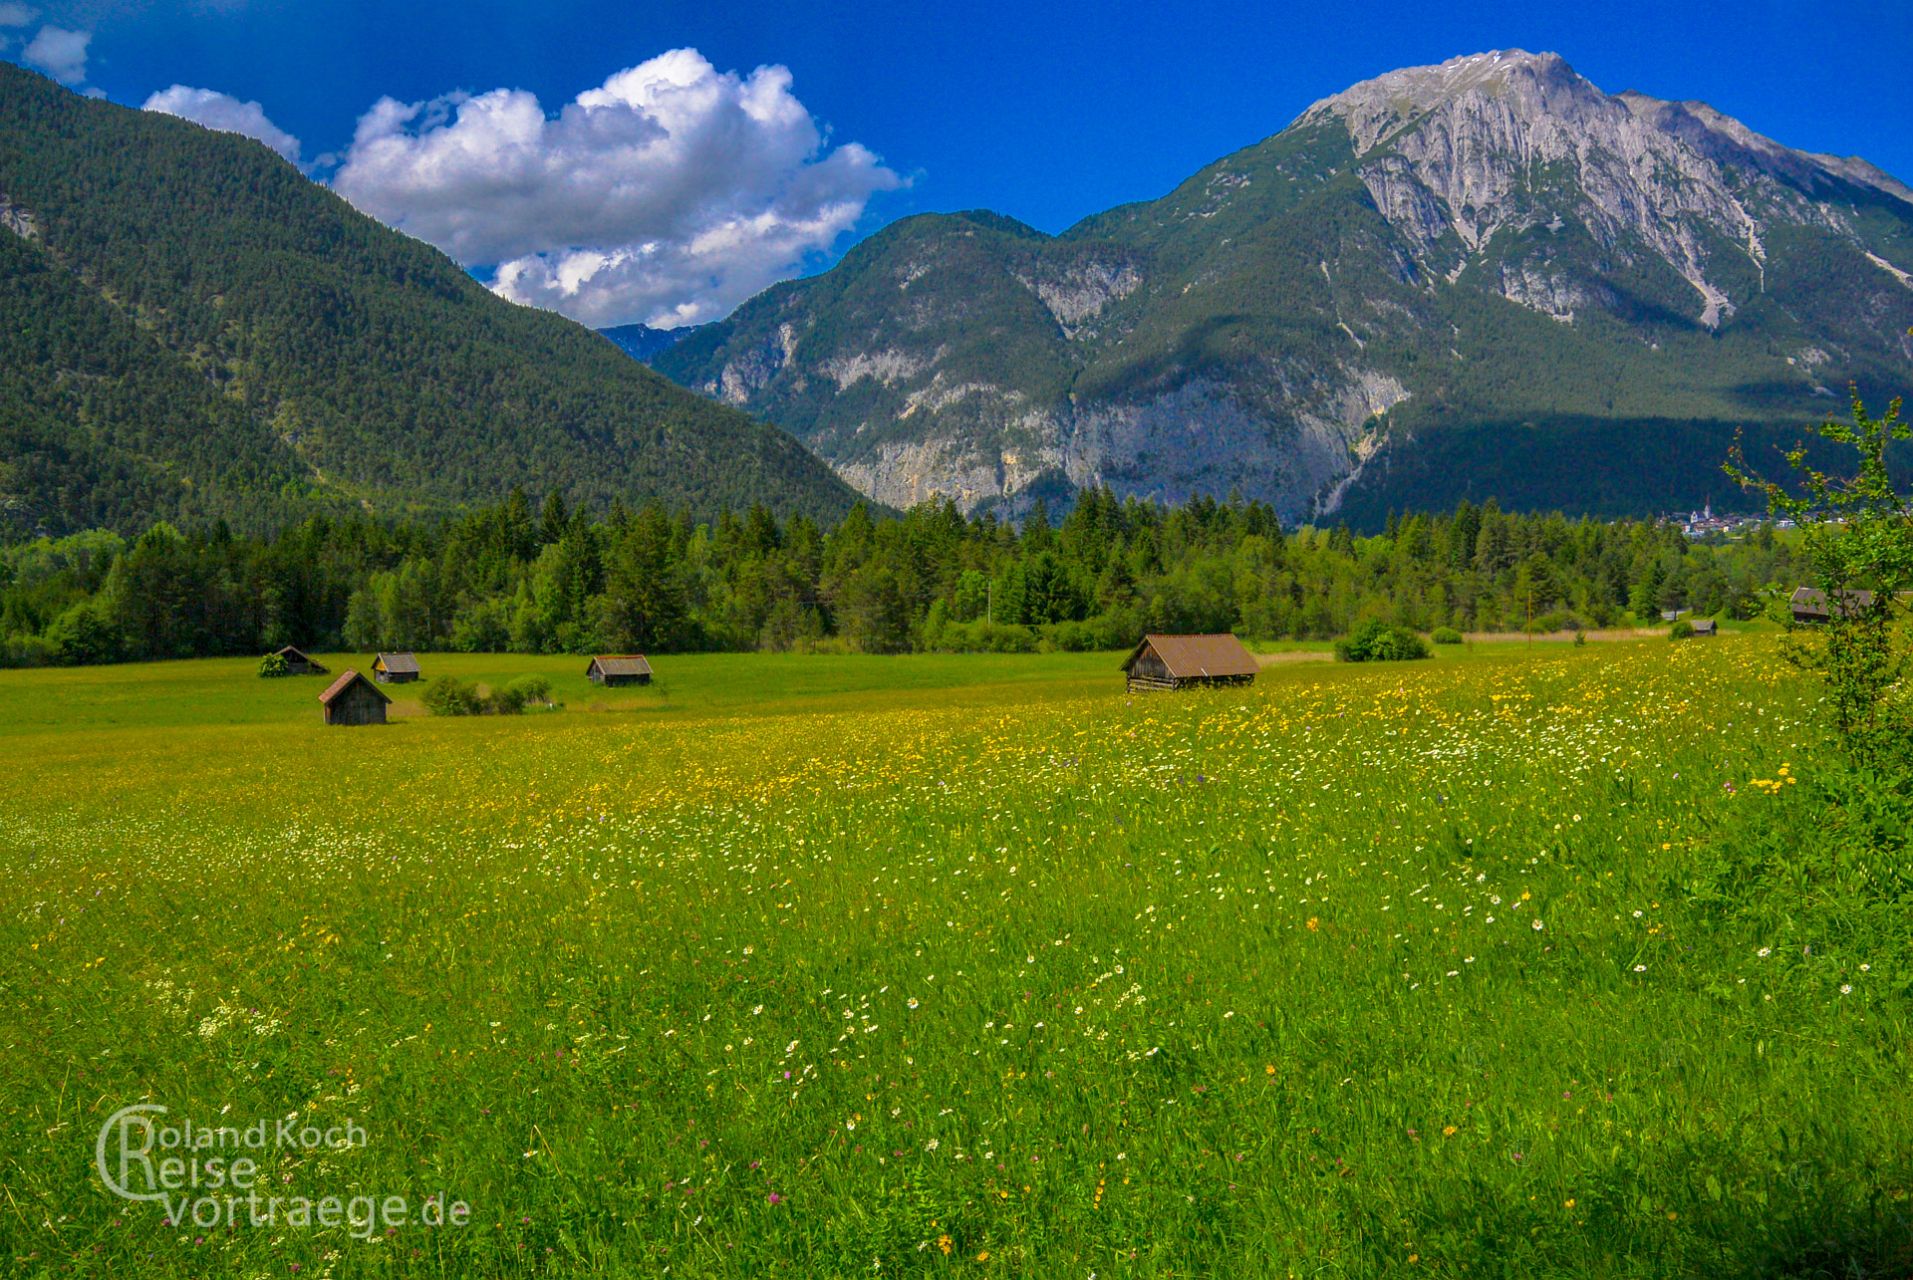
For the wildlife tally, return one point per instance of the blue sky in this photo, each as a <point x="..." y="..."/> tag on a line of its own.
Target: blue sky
<point x="1047" y="112"/>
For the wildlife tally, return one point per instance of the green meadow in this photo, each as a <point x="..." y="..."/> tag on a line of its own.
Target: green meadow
<point x="842" y="965"/>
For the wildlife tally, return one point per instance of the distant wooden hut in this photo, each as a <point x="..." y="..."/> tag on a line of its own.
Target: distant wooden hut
<point x="1705" y="627"/>
<point x="297" y="664"/>
<point x="1810" y="604"/>
<point x="1179" y="662"/>
<point x="613" y="669"/>
<point x="352" y="699"/>
<point x="395" y="668"/>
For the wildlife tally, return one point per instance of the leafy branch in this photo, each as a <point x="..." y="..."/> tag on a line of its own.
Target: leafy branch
<point x="1858" y="536"/>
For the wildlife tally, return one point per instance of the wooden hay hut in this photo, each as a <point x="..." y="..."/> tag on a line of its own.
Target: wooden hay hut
<point x="1705" y="627"/>
<point x="298" y="664"/>
<point x="614" y="669"/>
<point x="352" y="699"/>
<point x="1810" y="604"/>
<point x="1180" y="662"/>
<point x="395" y="668"/>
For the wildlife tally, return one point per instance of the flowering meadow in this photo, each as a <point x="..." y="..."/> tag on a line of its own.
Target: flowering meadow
<point x="821" y="966"/>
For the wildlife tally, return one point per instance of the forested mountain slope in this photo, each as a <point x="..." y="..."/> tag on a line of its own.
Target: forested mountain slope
<point x="189" y="327"/>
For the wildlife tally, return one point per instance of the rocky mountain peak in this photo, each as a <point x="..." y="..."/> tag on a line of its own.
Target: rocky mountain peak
<point x="1537" y="107"/>
<point x="1468" y="156"/>
<point x="1508" y="83"/>
<point x="1493" y="72"/>
<point x="1327" y="318"/>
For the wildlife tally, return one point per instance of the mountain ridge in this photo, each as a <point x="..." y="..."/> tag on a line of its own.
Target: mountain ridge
<point x="1415" y="264"/>
<point x="641" y="341"/>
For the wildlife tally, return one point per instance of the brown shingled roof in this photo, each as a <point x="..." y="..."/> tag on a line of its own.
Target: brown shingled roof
<point x="344" y="682"/>
<point x="623" y="664"/>
<point x="1192" y="656"/>
<point x="399" y="664"/>
<point x="1813" y="600"/>
<point x="292" y="654"/>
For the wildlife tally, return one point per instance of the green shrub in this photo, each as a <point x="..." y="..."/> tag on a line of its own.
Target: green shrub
<point x="450" y="696"/>
<point x="985" y="637"/>
<point x="530" y="689"/>
<point x="28" y="651"/>
<point x="508" y="701"/>
<point x="1681" y="630"/>
<point x="272" y="666"/>
<point x="86" y="633"/>
<point x="1378" y="641"/>
<point x="1446" y="635"/>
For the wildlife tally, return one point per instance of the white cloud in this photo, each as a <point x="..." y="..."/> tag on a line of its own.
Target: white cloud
<point x="224" y="112"/>
<point x="668" y="195"/>
<point x="59" y="52"/>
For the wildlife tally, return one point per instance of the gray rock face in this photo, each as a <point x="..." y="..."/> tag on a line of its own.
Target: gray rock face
<point x="1467" y="138"/>
<point x="750" y="372"/>
<point x="18" y="219"/>
<point x="1076" y="295"/>
<point x="1196" y="439"/>
<point x="1491" y="239"/>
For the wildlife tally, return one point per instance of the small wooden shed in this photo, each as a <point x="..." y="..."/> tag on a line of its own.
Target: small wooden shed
<point x="352" y="699"/>
<point x="1705" y="627"/>
<point x="1810" y="604"/>
<point x="298" y="664"/>
<point x="613" y="669"/>
<point x="395" y="668"/>
<point x="1180" y="662"/>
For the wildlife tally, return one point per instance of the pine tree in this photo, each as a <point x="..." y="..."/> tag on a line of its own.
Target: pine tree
<point x="554" y="519"/>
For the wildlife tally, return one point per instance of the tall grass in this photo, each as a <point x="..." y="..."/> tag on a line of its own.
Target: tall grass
<point x="1357" y="972"/>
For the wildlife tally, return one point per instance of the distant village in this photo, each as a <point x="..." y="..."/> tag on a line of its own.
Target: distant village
<point x="1705" y="524"/>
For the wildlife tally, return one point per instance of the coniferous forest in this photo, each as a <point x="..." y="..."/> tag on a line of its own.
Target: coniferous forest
<point x="540" y="578"/>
